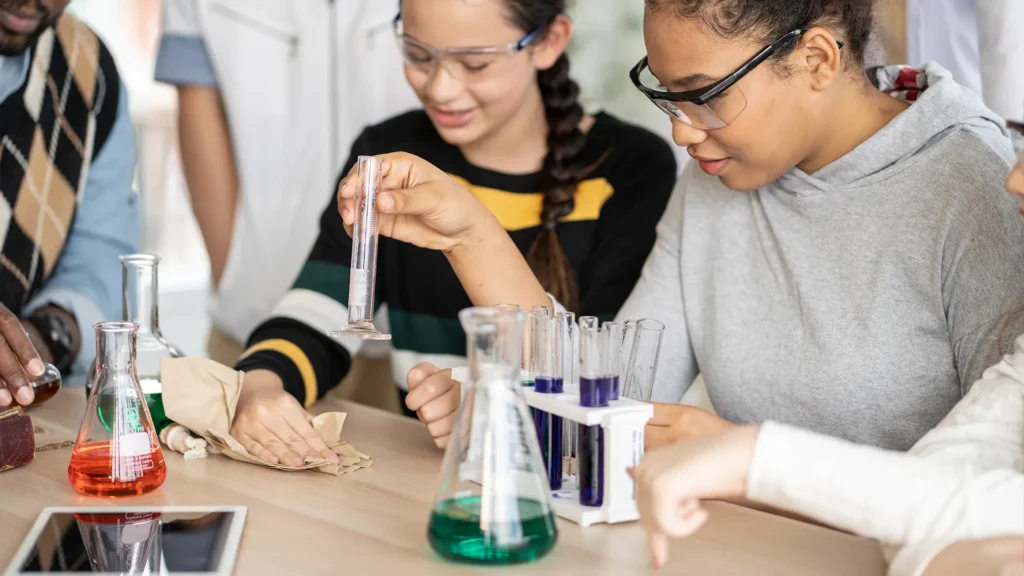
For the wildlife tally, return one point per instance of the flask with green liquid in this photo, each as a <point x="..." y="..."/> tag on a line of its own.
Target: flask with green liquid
<point x="493" y="503"/>
<point x="139" y="304"/>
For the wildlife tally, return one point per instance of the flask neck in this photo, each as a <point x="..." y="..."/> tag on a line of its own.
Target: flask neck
<point x="115" y="345"/>
<point x="494" y="342"/>
<point x="140" y="292"/>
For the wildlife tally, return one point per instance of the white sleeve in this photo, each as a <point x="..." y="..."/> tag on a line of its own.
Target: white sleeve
<point x="1001" y="56"/>
<point x="658" y="294"/>
<point x="961" y="480"/>
<point x="893" y="497"/>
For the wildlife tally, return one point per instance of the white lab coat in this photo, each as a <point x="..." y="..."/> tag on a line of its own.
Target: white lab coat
<point x="300" y="79"/>
<point x="980" y="41"/>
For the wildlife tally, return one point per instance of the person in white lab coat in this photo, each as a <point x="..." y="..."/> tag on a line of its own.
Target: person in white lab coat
<point x="271" y="95"/>
<point x="980" y="41"/>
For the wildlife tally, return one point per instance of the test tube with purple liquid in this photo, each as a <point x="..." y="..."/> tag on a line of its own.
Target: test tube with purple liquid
<point x="548" y="379"/>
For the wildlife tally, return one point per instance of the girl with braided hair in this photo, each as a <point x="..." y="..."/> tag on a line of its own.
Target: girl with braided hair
<point x="578" y="197"/>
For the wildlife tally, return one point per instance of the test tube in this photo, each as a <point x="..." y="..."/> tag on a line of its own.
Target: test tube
<point x="363" y="270"/>
<point x="643" y="363"/>
<point x="590" y="451"/>
<point x="548" y="379"/>
<point x="613" y="357"/>
<point x="570" y="372"/>
<point x="628" y="341"/>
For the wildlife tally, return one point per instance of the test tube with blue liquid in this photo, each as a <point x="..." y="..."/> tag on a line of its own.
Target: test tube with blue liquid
<point x="548" y="379"/>
<point x="594" y="394"/>
<point x="613" y="368"/>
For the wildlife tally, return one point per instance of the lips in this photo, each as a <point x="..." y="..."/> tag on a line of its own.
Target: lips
<point x="20" y="23"/>
<point x="712" y="166"/>
<point x="451" y="118"/>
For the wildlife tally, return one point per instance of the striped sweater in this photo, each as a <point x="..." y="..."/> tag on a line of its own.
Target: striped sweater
<point x="606" y="238"/>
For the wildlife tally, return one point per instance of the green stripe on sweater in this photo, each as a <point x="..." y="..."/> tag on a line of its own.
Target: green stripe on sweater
<point x="426" y="333"/>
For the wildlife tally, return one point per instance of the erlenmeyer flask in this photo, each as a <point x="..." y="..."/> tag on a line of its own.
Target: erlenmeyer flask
<point x="493" y="505"/>
<point x="121" y="543"/>
<point x="117" y="452"/>
<point x="139" y="304"/>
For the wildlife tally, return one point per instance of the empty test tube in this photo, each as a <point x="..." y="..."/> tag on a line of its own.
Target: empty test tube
<point x="643" y="362"/>
<point x="363" y="270"/>
<point x="612" y="358"/>
<point x="569" y="352"/>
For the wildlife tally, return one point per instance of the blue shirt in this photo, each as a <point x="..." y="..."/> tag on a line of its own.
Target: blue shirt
<point x="87" y="279"/>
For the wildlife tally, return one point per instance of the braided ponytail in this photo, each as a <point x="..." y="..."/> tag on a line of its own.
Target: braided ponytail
<point x="562" y="169"/>
<point x="560" y="174"/>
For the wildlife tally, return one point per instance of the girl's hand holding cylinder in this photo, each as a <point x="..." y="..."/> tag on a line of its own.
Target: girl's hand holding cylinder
<point x="418" y="203"/>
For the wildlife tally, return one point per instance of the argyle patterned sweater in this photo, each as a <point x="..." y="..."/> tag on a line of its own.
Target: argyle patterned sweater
<point x="51" y="128"/>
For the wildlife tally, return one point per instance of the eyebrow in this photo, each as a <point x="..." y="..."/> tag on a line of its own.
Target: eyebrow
<point x="691" y="80"/>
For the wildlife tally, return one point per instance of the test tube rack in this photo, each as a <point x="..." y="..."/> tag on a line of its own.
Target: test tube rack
<point x="623" y="423"/>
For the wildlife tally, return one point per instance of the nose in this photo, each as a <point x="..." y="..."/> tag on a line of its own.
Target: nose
<point x="686" y="135"/>
<point x="443" y="87"/>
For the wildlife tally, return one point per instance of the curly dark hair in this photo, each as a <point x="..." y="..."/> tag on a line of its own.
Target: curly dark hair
<point x="768" y="20"/>
<point x="563" y="167"/>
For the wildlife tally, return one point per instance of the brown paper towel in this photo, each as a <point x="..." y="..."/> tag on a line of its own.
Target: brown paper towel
<point x="202" y="395"/>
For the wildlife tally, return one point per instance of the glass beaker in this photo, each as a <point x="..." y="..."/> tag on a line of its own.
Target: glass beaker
<point x="363" y="268"/>
<point x="140" y="293"/>
<point x="121" y="543"/>
<point x="116" y="452"/>
<point x="643" y="360"/>
<point x="492" y="506"/>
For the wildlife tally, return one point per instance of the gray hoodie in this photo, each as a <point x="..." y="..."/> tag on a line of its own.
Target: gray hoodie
<point x="861" y="301"/>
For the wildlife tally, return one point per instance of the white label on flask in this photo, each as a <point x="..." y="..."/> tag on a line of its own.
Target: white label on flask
<point x="134" y="444"/>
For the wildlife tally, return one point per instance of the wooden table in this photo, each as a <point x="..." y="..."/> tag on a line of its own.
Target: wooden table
<point x="374" y="521"/>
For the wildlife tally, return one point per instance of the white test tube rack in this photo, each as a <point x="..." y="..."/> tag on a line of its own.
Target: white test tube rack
<point x="623" y="422"/>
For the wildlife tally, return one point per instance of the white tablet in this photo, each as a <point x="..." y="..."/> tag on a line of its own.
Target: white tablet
<point x="132" y="540"/>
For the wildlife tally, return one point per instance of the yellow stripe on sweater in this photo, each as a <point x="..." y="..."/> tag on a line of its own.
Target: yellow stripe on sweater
<point x="521" y="211"/>
<point x="297" y="356"/>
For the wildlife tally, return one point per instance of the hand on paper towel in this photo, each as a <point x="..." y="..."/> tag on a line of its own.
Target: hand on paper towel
<point x="204" y="396"/>
<point x="672" y="480"/>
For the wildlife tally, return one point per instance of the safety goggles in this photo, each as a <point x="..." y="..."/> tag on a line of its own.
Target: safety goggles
<point x="477" y="64"/>
<point x="711" y="107"/>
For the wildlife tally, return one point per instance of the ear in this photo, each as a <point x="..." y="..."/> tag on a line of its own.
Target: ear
<point x="548" y="49"/>
<point x="820" y="57"/>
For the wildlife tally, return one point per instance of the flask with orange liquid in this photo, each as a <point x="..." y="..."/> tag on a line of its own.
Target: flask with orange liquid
<point x="122" y="456"/>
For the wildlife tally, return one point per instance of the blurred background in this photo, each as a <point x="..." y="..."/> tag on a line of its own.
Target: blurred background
<point x="608" y="40"/>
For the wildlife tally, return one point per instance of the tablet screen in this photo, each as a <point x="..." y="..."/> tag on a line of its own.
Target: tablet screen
<point x="138" y="541"/>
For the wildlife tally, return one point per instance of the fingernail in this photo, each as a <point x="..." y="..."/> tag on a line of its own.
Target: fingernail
<point x="387" y="202"/>
<point x="35" y="367"/>
<point x="25" y="396"/>
<point x="5" y="397"/>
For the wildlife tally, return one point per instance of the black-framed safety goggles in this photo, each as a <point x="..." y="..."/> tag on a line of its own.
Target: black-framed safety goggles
<point x="710" y="107"/>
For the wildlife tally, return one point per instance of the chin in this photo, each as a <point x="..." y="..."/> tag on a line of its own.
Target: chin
<point x="459" y="136"/>
<point x="743" y="182"/>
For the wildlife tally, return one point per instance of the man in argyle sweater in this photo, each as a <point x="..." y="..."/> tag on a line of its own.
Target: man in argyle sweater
<point x="66" y="205"/>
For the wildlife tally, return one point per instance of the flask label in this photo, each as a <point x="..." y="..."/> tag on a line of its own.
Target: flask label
<point x="134" y="444"/>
